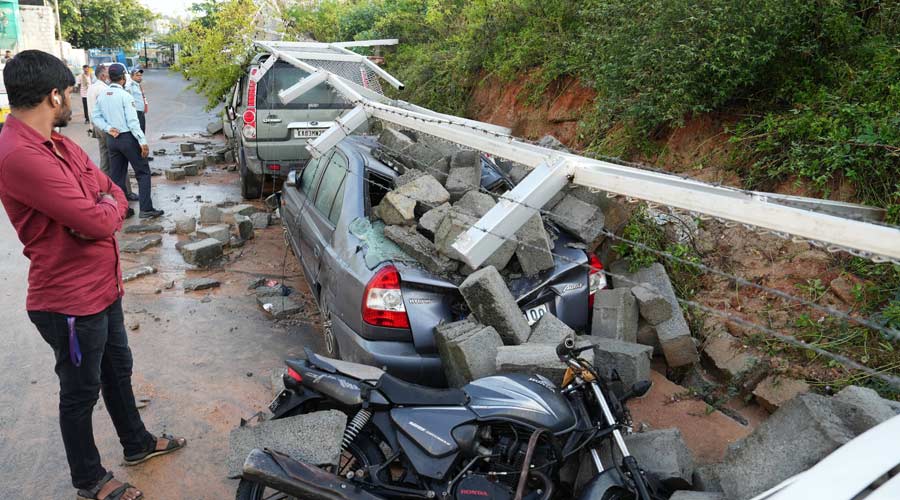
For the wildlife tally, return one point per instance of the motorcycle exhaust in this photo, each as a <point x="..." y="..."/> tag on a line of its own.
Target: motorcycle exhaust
<point x="298" y="479"/>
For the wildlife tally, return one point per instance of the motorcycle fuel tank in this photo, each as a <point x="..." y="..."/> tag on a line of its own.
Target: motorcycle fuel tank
<point x="531" y="400"/>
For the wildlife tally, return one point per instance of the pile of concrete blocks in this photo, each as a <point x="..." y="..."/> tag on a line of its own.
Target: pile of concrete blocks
<point x="438" y="197"/>
<point x="802" y="432"/>
<point x="220" y="226"/>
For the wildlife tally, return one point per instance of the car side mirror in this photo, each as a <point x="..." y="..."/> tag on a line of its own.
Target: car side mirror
<point x="230" y="112"/>
<point x="291" y="178"/>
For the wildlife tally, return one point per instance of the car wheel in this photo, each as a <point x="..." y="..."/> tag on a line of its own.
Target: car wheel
<point x="251" y="184"/>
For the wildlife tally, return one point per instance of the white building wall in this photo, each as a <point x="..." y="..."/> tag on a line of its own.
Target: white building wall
<point x="37" y="29"/>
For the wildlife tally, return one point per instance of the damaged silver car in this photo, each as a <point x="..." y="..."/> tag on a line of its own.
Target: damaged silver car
<point x="379" y="305"/>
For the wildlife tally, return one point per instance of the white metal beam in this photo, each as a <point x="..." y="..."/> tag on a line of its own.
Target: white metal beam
<point x="322" y="45"/>
<point x="397" y="84"/>
<point x="326" y="56"/>
<point x="303" y="86"/>
<point x="513" y="210"/>
<point x="369" y="43"/>
<point x="344" y="126"/>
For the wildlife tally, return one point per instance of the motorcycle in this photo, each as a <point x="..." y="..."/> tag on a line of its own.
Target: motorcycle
<point x="507" y="436"/>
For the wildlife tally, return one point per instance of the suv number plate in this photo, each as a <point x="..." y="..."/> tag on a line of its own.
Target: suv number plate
<point x="303" y="133"/>
<point x="534" y="314"/>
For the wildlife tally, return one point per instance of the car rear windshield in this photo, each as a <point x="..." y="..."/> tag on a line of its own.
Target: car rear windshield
<point x="283" y="76"/>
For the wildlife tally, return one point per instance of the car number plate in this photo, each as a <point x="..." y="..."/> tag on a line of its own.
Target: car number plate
<point x="303" y="133"/>
<point x="534" y="314"/>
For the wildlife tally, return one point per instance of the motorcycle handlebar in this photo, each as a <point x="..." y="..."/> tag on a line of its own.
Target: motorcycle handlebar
<point x="564" y="349"/>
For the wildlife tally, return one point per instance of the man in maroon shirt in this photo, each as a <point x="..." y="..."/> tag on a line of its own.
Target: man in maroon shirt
<point x="66" y="213"/>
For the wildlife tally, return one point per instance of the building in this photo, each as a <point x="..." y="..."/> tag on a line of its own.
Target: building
<point x="32" y="24"/>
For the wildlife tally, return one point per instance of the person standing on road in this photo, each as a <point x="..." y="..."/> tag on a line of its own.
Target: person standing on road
<point x="115" y="115"/>
<point x="67" y="213"/>
<point x="99" y="86"/>
<point x="136" y="90"/>
<point x="84" y="83"/>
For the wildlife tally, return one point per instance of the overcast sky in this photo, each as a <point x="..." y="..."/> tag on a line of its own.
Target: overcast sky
<point x="168" y="7"/>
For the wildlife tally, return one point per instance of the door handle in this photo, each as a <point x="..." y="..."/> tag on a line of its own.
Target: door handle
<point x="272" y="120"/>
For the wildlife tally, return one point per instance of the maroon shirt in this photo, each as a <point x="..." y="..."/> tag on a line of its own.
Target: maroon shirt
<point x="49" y="194"/>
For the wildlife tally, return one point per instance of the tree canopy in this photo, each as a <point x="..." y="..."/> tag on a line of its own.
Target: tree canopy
<point x="90" y="24"/>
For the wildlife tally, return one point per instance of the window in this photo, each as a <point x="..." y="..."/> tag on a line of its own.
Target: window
<point x="338" y="203"/>
<point x="283" y="76"/>
<point x="308" y="177"/>
<point x="331" y="184"/>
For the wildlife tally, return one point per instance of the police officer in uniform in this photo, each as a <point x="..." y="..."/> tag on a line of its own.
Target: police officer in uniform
<point x="114" y="113"/>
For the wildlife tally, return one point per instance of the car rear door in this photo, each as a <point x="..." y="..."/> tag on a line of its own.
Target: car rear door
<point x="320" y="214"/>
<point x="282" y="130"/>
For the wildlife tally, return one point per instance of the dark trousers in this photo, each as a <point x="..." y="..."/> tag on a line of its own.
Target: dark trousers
<point x="105" y="368"/>
<point x="143" y="120"/>
<point x="123" y="150"/>
<point x="84" y="104"/>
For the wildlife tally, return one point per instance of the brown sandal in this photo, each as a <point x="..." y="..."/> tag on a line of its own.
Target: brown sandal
<point x="175" y="444"/>
<point x="115" y="494"/>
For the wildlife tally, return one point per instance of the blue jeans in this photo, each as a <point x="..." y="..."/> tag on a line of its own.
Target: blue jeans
<point x="105" y="368"/>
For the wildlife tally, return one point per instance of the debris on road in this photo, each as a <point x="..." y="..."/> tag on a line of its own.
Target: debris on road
<point x="137" y="272"/>
<point x="143" y="228"/>
<point x="200" y="284"/>
<point x="143" y="243"/>
<point x="185" y="224"/>
<point x="314" y="438"/>
<point x="203" y="252"/>
<point x="279" y="307"/>
<point x="175" y="174"/>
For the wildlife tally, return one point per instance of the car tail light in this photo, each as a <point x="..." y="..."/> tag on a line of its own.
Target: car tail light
<point x="383" y="300"/>
<point x="294" y="375"/>
<point x="596" y="278"/>
<point x="274" y="166"/>
<point x="249" y="131"/>
<point x="249" y="117"/>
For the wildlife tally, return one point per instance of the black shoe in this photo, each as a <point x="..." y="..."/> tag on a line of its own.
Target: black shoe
<point x="149" y="158"/>
<point x="132" y="197"/>
<point x="130" y="213"/>
<point x="151" y="214"/>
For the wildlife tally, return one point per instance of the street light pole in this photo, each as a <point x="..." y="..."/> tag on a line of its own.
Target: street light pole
<point x="59" y="29"/>
<point x="146" y="59"/>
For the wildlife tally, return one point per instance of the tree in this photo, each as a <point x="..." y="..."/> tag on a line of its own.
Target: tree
<point x="90" y="24"/>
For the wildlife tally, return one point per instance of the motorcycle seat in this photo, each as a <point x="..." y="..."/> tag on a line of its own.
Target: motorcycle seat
<point x="350" y="369"/>
<point x="401" y="392"/>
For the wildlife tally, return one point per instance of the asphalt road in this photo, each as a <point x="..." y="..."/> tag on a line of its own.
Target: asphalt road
<point x="202" y="359"/>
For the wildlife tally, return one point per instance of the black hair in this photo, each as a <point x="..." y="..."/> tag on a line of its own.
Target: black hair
<point x="32" y="75"/>
<point x="85" y="66"/>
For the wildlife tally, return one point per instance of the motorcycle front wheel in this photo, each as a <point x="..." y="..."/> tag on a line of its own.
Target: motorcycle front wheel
<point x="362" y="452"/>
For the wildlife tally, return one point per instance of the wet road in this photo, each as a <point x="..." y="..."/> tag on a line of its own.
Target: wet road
<point x="203" y="363"/>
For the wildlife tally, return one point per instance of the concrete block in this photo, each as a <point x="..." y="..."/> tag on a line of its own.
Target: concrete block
<point x="260" y="220"/>
<point x="630" y="360"/>
<point x="582" y="220"/>
<point x="244" y="226"/>
<point x="314" y="438"/>
<point x="796" y="437"/>
<point x="664" y="453"/>
<point x="426" y="191"/>
<point x="175" y="174"/>
<point x="431" y="220"/>
<point x="464" y="175"/>
<point x="186" y="148"/>
<point x="421" y="249"/>
<point x="492" y="303"/>
<point x="861" y="408"/>
<point x="646" y="335"/>
<point x="729" y="357"/>
<point x="549" y="330"/>
<point x="279" y="307"/>
<point x="454" y="224"/>
<point x="185" y="224"/>
<point x="776" y="390"/>
<point x="706" y="478"/>
<point x="468" y="350"/>
<point x="532" y="359"/>
<point x="219" y="232"/>
<point x="215" y="127"/>
<point x="195" y="284"/>
<point x="475" y="203"/>
<point x="397" y="209"/>
<point x="394" y="140"/>
<point x="674" y="334"/>
<point x="228" y="213"/>
<point x="534" y="248"/>
<point x="697" y="495"/>
<point x="420" y="155"/>
<point x="203" y="252"/>
<point x="440" y="168"/>
<point x="137" y="272"/>
<point x="652" y="305"/>
<point x="142" y="243"/>
<point x="270" y="291"/>
<point x="517" y="172"/>
<point x="407" y="177"/>
<point x="143" y="228"/>
<point x="210" y="214"/>
<point x="191" y="169"/>
<point x="615" y="315"/>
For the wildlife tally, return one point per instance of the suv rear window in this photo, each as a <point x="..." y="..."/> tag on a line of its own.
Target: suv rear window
<point x="283" y="76"/>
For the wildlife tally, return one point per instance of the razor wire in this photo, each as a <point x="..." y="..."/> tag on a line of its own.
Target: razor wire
<point x="892" y="380"/>
<point x="867" y="322"/>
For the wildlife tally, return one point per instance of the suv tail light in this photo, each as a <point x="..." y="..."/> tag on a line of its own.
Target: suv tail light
<point x="383" y="300"/>
<point x="596" y="278"/>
